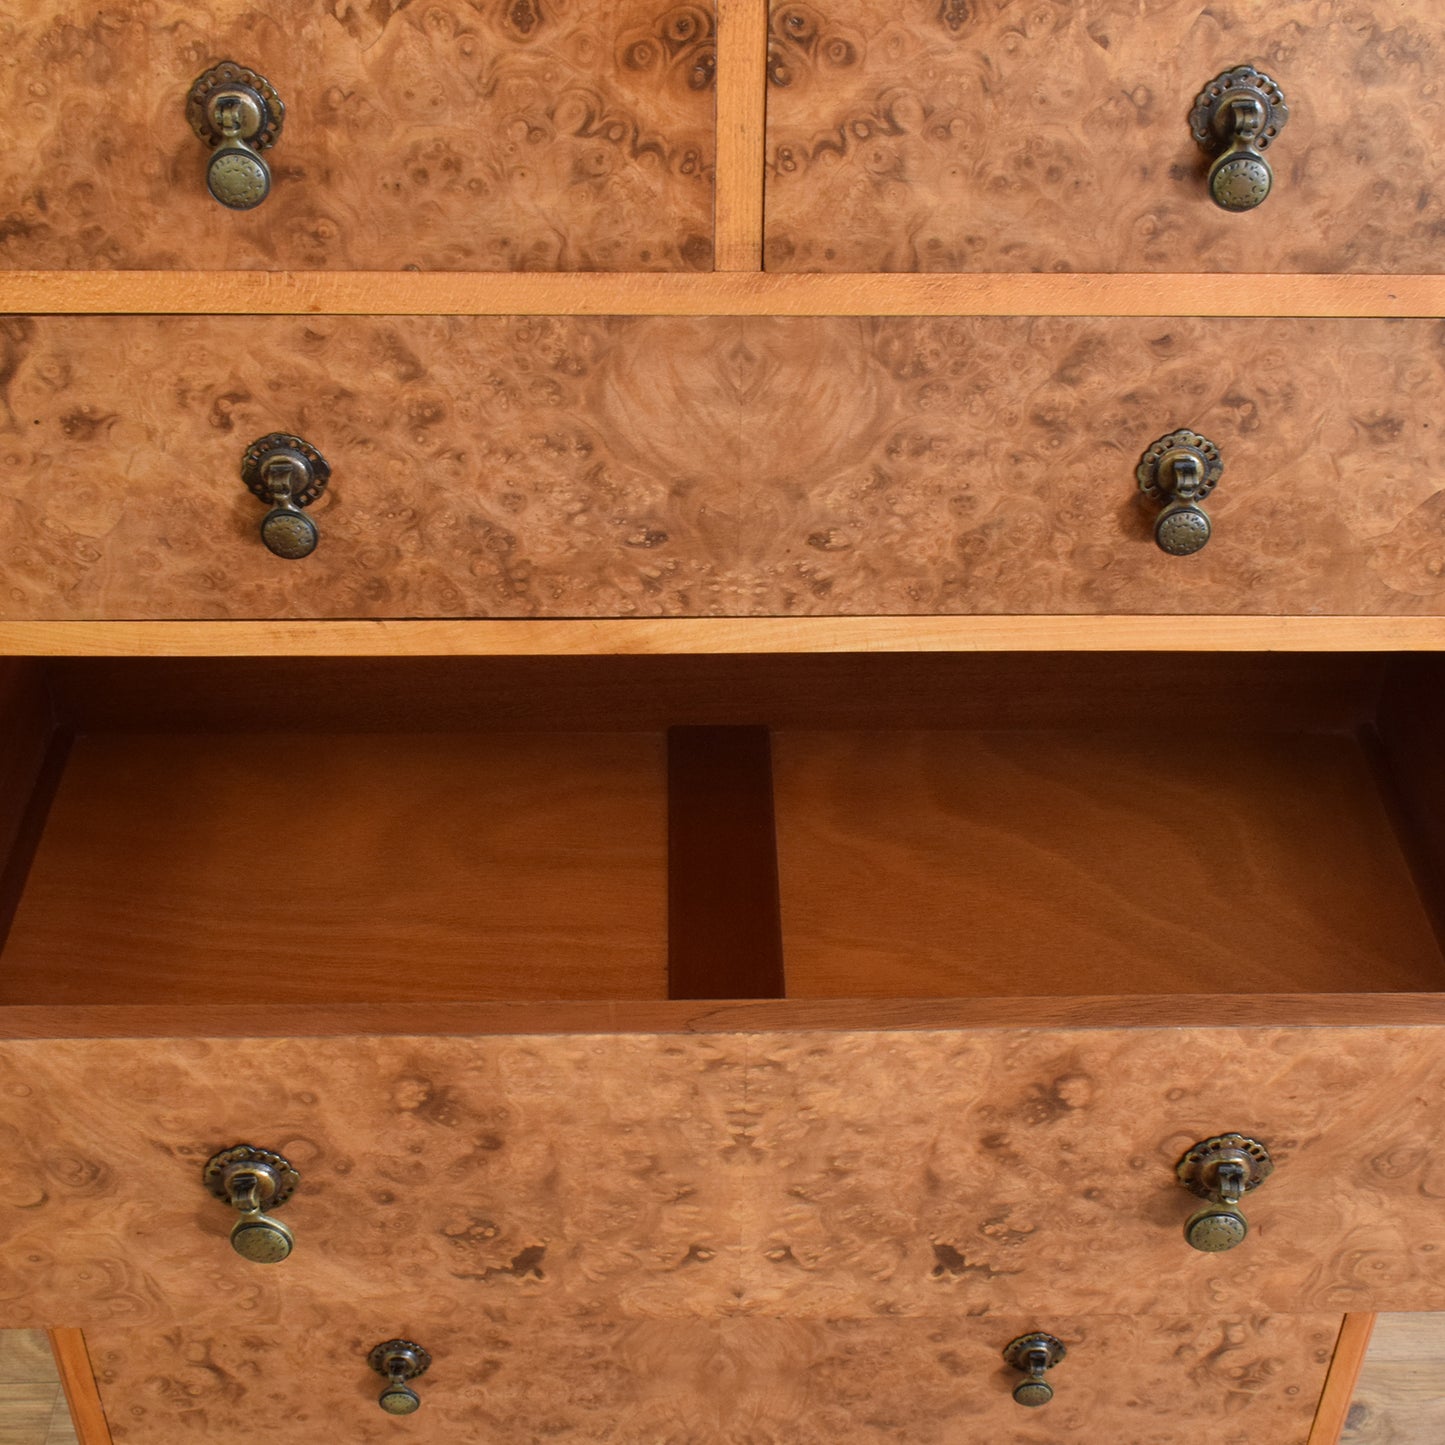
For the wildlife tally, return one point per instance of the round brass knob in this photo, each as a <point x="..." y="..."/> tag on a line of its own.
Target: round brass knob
<point x="1033" y="1393"/>
<point x="238" y="114"/>
<point x="261" y="1240"/>
<point x="1216" y="1228"/>
<point x="1240" y="181"/>
<point x="1182" y="529"/>
<point x="399" y="1400"/>
<point x="289" y="533"/>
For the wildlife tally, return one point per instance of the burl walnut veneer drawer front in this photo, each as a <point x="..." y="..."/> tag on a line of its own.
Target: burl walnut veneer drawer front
<point x="615" y="466"/>
<point x="850" y="1176"/>
<point x="446" y="136"/>
<point x="514" y="1376"/>
<point x="972" y="136"/>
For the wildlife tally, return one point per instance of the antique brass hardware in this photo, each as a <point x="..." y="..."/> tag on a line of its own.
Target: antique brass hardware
<point x="1033" y="1354"/>
<point x="1223" y="1170"/>
<point x="287" y="474"/>
<point x="399" y="1361"/>
<point x="252" y="1181"/>
<point x="238" y="114"/>
<point x="1235" y="117"/>
<point x="1180" y="470"/>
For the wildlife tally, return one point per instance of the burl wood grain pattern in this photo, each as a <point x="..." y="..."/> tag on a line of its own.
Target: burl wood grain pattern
<point x="643" y="467"/>
<point x="513" y="1379"/>
<point x="973" y="135"/>
<point x="934" y="864"/>
<point x="987" y="465"/>
<point x="507" y="467"/>
<point x="320" y="868"/>
<point x="472" y="135"/>
<point x="793" y="1176"/>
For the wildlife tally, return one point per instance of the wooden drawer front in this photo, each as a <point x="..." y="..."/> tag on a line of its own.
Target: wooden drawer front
<point x="515" y="1376"/>
<point x="447" y="136"/>
<point x="802" y="1176"/>
<point x="964" y="136"/>
<point x="556" y="467"/>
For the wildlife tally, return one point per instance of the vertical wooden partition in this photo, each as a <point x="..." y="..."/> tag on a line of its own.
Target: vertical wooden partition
<point x="741" y="117"/>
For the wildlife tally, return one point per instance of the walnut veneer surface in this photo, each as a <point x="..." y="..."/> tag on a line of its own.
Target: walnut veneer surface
<point x="807" y="1177"/>
<point x="457" y="135"/>
<point x="513" y="1377"/>
<point x="555" y="467"/>
<point x="973" y="135"/>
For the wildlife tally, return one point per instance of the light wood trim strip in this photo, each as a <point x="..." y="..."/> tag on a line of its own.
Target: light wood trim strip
<point x="704" y="635"/>
<point x="77" y="1379"/>
<point x="738" y="1016"/>
<point x="1339" y="1390"/>
<point x="416" y="293"/>
<point x="742" y="77"/>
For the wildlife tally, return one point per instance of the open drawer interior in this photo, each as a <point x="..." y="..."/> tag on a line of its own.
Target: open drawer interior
<point x="286" y="831"/>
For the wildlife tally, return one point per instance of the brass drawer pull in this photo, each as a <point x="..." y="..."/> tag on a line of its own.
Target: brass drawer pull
<point x="1235" y="117"/>
<point x="1034" y="1354"/>
<point x="399" y="1361"/>
<point x="238" y="114"/>
<point x="1180" y="470"/>
<point x="252" y="1181"/>
<point x="287" y="474"/>
<point x="1223" y="1170"/>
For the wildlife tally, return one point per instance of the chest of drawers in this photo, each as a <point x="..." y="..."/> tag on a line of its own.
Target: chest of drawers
<point x="737" y="868"/>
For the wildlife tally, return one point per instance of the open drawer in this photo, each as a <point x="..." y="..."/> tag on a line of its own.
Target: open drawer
<point x="991" y="956"/>
<point x="387" y="831"/>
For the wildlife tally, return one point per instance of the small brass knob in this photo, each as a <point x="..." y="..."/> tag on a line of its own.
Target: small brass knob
<point x="1033" y="1393"/>
<point x="1034" y="1354"/>
<point x="399" y="1361"/>
<point x="238" y="114"/>
<point x="1222" y="1170"/>
<point x="1215" y="1228"/>
<point x="253" y="1180"/>
<point x="287" y="474"/>
<point x="1180" y="470"/>
<point x="1235" y="118"/>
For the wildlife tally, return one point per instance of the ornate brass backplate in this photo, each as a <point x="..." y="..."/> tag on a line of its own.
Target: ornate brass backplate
<point x="287" y="473"/>
<point x="1235" y="119"/>
<point x="251" y="1181"/>
<point x="1034" y="1354"/>
<point x="399" y="1361"/>
<point x="1179" y="471"/>
<point x="237" y="112"/>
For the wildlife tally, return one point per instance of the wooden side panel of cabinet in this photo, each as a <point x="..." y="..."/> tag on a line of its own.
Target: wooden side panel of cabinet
<point x="805" y="1176"/>
<point x="516" y="1376"/>
<point x="505" y="135"/>
<point x="631" y="467"/>
<point x="968" y="135"/>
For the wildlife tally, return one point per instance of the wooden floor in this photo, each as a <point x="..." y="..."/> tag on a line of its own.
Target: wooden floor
<point x="32" y="1406"/>
<point x="1400" y="1399"/>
